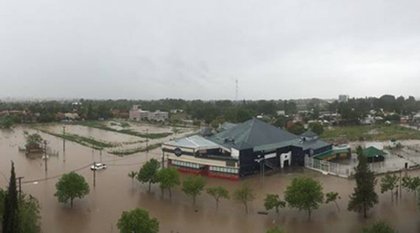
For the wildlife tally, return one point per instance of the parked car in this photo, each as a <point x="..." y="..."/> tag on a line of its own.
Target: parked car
<point x="97" y="166"/>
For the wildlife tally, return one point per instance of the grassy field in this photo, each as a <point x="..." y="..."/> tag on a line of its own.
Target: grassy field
<point x="123" y="152"/>
<point x="370" y="133"/>
<point x="100" y="125"/>
<point x="85" y="141"/>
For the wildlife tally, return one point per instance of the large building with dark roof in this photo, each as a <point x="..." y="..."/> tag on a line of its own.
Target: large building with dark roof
<point x="242" y="150"/>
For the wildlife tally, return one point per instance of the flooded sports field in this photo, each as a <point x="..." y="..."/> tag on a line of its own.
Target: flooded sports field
<point x="115" y="192"/>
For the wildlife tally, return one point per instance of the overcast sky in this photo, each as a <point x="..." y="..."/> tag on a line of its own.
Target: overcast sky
<point x="192" y="49"/>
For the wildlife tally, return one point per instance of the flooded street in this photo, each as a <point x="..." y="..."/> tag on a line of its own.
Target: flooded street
<point x="115" y="192"/>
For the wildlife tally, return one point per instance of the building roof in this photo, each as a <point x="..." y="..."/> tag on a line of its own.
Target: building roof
<point x="372" y="152"/>
<point x="250" y="134"/>
<point x="309" y="134"/>
<point x="226" y="125"/>
<point x="195" y="141"/>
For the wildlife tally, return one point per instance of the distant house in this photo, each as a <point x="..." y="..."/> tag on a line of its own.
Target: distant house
<point x="373" y="154"/>
<point x="281" y="113"/>
<point x="137" y="114"/>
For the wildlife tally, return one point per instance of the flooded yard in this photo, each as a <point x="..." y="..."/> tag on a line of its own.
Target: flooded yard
<point x="115" y="192"/>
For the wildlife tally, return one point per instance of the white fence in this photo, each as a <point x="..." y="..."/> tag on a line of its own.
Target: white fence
<point x="343" y="170"/>
<point x="329" y="168"/>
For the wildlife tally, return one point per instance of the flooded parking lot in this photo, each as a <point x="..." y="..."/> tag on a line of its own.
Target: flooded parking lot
<point x="115" y="192"/>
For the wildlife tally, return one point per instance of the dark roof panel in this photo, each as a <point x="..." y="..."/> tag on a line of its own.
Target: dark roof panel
<point x="252" y="133"/>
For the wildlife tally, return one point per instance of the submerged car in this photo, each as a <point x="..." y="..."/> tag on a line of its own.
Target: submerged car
<point x="97" y="166"/>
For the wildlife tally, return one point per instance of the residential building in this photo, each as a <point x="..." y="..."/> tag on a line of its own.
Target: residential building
<point x="343" y="98"/>
<point x="137" y="114"/>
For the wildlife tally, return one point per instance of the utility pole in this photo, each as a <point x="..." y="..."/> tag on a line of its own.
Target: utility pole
<point x="163" y="159"/>
<point x="147" y="140"/>
<point x="20" y="186"/>
<point x="94" y="178"/>
<point x="100" y="155"/>
<point x="64" y="144"/>
<point x="45" y="155"/>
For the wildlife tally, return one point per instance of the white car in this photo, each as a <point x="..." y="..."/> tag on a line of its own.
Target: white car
<point x="97" y="166"/>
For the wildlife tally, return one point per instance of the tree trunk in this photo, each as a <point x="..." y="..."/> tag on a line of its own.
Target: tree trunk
<point x="364" y="211"/>
<point x="150" y="184"/>
<point x="246" y="207"/>
<point x="71" y="202"/>
<point x="194" y="201"/>
<point x="338" y="207"/>
<point x="392" y="195"/>
<point x="309" y="214"/>
<point x="170" y="193"/>
<point x="217" y="204"/>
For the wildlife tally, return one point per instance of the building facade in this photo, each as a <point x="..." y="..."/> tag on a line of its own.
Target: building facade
<point x="241" y="150"/>
<point x="137" y="114"/>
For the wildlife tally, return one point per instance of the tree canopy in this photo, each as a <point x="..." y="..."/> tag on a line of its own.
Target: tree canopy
<point x="275" y="230"/>
<point x="137" y="221"/>
<point x="364" y="196"/>
<point x="217" y="193"/>
<point x="244" y="195"/>
<point x="168" y="178"/>
<point x="272" y="201"/>
<point x="332" y="197"/>
<point x="71" y="186"/>
<point x="148" y="172"/>
<point x="389" y="183"/>
<point x="28" y="212"/>
<point x="33" y="141"/>
<point x="304" y="193"/>
<point x="11" y="222"/>
<point x="379" y="227"/>
<point x="193" y="186"/>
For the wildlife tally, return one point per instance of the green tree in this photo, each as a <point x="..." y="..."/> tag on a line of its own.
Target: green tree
<point x="217" y="193"/>
<point x="272" y="201"/>
<point x="389" y="183"/>
<point x="304" y="193"/>
<point x="137" y="221"/>
<point x="297" y="128"/>
<point x="364" y="196"/>
<point x="71" y="186"/>
<point x="275" y="230"/>
<point x="29" y="215"/>
<point x="33" y="141"/>
<point x="2" y="196"/>
<point x="132" y="175"/>
<point x="379" y="227"/>
<point x="193" y="186"/>
<point x="244" y="194"/>
<point x="11" y="222"/>
<point x="316" y="128"/>
<point x="332" y="197"/>
<point x="411" y="184"/>
<point x="6" y="122"/>
<point x="148" y="172"/>
<point x="168" y="178"/>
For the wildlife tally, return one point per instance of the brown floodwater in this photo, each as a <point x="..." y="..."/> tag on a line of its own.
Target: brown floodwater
<point x="115" y="192"/>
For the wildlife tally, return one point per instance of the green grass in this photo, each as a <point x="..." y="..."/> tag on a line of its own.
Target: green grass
<point x="134" y="150"/>
<point x="371" y="133"/>
<point x="100" y="125"/>
<point x="85" y="141"/>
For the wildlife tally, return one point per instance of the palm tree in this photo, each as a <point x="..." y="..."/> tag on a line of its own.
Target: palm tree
<point x="132" y="175"/>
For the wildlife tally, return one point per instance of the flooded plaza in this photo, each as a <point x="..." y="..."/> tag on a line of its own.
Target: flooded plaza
<point x="115" y="192"/>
